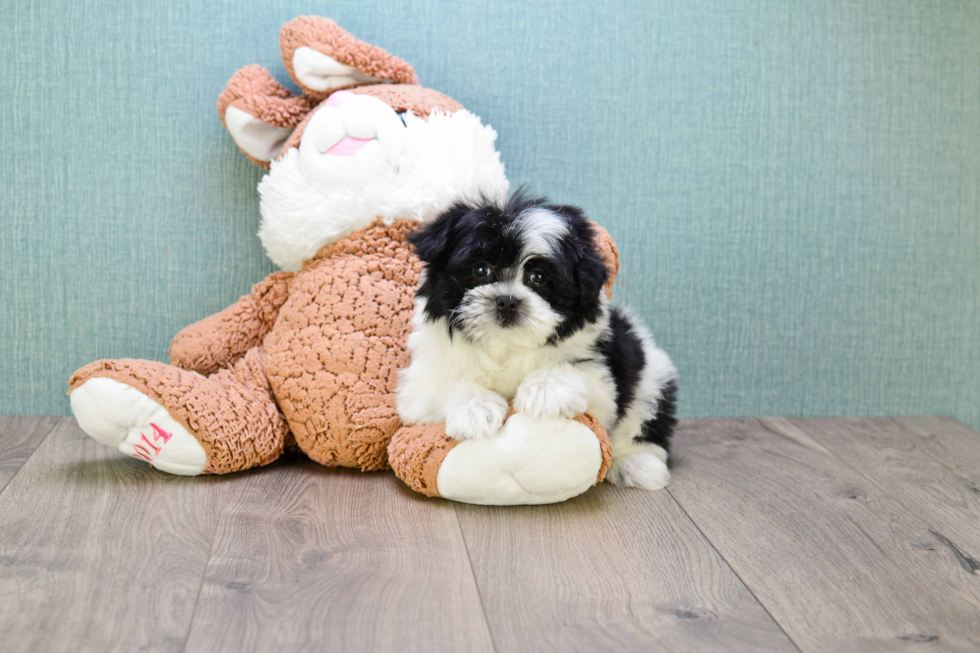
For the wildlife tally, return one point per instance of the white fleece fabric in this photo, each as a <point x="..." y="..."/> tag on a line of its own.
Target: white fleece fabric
<point x="411" y="171"/>
<point x="121" y="416"/>
<point x="259" y="140"/>
<point x="529" y="462"/>
<point x="319" y="72"/>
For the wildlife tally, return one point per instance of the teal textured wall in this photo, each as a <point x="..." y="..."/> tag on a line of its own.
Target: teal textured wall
<point x="795" y="186"/>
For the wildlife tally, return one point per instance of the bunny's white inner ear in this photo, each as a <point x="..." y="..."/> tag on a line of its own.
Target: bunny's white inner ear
<point x="257" y="139"/>
<point x="318" y="72"/>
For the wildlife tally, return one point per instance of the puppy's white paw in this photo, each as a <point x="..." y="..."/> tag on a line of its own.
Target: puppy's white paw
<point x="552" y="393"/>
<point x="643" y="470"/>
<point x="480" y="416"/>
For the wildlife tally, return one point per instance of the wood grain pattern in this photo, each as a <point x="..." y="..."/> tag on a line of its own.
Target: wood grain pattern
<point x="902" y="463"/>
<point x="19" y="437"/>
<point x="837" y="561"/>
<point x="817" y="535"/>
<point x="951" y="442"/>
<point x="309" y="558"/>
<point x="99" y="552"/>
<point x="615" y="569"/>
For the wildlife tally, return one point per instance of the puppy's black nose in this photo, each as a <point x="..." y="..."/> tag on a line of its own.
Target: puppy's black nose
<point x="507" y="308"/>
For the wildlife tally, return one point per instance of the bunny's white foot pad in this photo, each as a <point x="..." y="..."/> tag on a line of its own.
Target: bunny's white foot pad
<point x="121" y="416"/>
<point x="529" y="461"/>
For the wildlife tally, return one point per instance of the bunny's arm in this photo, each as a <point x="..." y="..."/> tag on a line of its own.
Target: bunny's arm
<point x="221" y="339"/>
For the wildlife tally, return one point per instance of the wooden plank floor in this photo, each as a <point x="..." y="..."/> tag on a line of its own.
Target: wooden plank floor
<point x="812" y="535"/>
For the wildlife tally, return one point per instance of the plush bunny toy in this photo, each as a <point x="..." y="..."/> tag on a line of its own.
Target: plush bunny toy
<point x="311" y="357"/>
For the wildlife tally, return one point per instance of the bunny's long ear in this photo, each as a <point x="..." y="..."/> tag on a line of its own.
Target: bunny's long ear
<point x="260" y="113"/>
<point x="322" y="57"/>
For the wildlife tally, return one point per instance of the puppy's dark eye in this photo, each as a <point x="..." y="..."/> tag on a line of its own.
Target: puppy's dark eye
<point x="481" y="271"/>
<point x="537" y="278"/>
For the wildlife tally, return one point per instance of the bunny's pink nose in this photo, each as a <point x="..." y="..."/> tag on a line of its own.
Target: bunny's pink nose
<point x="339" y="99"/>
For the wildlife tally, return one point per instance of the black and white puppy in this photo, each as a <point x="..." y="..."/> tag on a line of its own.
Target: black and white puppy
<point x="511" y="307"/>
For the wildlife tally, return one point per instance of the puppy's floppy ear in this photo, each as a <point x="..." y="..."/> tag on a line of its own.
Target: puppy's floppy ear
<point x="591" y="273"/>
<point x="591" y="270"/>
<point x="431" y="240"/>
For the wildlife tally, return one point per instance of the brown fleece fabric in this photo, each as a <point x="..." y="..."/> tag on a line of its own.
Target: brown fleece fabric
<point x="416" y="453"/>
<point x="333" y="339"/>
<point x="333" y="356"/>
<point x="221" y="339"/>
<point x="400" y="97"/>
<point x="317" y="351"/>
<point x="253" y="90"/>
<point x="607" y="248"/>
<point x="327" y="37"/>
<point x="297" y="135"/>
<point x="589" y="420"/>
<point x="232" y="413"/>
<point x="403" y="97"/>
